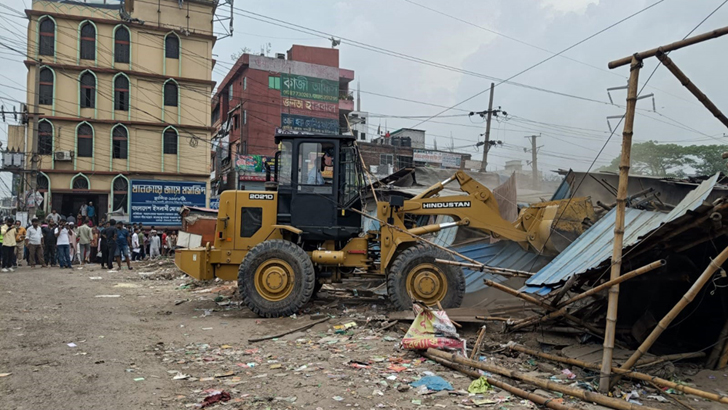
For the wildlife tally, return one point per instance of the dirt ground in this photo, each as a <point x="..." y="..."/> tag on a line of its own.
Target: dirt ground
<point x="89" y="338"/>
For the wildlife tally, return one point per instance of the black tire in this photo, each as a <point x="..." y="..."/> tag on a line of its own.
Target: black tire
<point x="317" y="287"/>
<point x="420" y="257"/>
<point x="302" y="273"/>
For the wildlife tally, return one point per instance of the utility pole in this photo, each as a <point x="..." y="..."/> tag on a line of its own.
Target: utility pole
<point x="488" y="115"/>
<point x="34" y="144"/>
<point x="534" y="161"/>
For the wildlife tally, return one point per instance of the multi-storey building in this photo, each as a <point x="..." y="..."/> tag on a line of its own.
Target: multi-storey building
<point x="124" y="92"/>
<point x="302" y="91"/>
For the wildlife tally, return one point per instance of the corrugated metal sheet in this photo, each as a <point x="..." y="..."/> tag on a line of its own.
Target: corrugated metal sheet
<point x="594" y="246"/>
<point x="502" y="254"/>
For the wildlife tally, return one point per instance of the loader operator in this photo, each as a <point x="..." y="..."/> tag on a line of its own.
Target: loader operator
<point x="314" y="175"/>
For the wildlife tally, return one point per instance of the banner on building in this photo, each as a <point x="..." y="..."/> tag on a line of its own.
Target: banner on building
<point x="309" y="124"/>
<point x="156" y="203"/>
<point x="436" y="157"/>
<point x="309" y="88"/>
<point x="252" y="167"/>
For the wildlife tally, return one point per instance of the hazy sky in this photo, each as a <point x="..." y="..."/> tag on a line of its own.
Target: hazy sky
<point x="493" y="39"/>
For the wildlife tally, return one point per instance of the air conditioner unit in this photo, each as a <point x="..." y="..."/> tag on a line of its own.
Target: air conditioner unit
<point x="64" y="155"/>
<point x="280" y="56"/>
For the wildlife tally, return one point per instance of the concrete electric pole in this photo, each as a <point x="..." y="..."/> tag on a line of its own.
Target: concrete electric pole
<point x="34" y="145"/>
<point x="534" y="161"/>
<point x="488" y="115"/>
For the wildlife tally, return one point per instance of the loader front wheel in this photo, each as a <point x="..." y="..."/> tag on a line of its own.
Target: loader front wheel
<point x="415" y="274"/>
<point x="276" y="278"/>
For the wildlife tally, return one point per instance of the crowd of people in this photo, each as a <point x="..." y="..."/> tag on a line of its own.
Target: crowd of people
<point x="64" y="241"/>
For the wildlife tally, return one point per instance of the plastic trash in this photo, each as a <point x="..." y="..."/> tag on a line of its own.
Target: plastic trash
<point x="434" y="383"/>
<point x="479" y="386"/>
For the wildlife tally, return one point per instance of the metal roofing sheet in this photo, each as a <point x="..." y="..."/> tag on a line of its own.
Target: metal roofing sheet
<point x="594" y="246"/>
<point x="502" y="254"/>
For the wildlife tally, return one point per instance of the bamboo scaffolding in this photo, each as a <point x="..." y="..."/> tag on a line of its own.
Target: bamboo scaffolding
<point x="544" y="384"/>
<point x="531" y="299"/>
<point x="543" y="401"/>
<point x="562" y="306"/>
<point x="626" y="373"/>
<point x="685" y="81"/>
<point x="624" y="164"/>
<point x="670" y="47"/>
<point x="688" y="297"/>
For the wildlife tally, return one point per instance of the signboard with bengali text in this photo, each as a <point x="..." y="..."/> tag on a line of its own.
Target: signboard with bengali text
<point x="309" y="88"/>
<point x="309" y="124"/>
<point x="156" y="203"/>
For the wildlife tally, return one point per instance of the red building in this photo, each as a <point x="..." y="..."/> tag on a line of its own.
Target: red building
<point x="301" y="91"/>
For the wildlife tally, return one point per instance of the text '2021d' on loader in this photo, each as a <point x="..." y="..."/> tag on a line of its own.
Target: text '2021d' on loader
<point x="282" y="244"/>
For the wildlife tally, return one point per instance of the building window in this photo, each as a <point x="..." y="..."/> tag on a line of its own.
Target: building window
<point x="170" y="141"/>
<point x="230" y="93"/>
<point x="170" y="93"/>
<point x="171" y="46"/>
<point x="245" y="83"/>
<point x="88" y="41"/>
<point x="245" y="116"/>
<point x="42" y="183"/>
<point x="121" y="45"/>
<point x="46" y="86"/>
<point x="80" y="182"/>
<point x="215" y="113"/>
<point x="120" y="138"/>
<point x="404" y="162"/>
<point x="45" y="138"/>
<point x="363" y="136"/>
<point x="385" y="159"/>
<point x="88" y="90"/>
<point x="236" y="122"/>
<point x="47" y="39"/>
<point x="274" y="82"/>
<point x="121" y="193"/>
<point x="121" y="93"/>
<point x="85" y="141"/>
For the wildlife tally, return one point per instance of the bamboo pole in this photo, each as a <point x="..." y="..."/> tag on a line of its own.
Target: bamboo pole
<point x="688" y="297"/>
<point x="478" y="342"/>
<point x="715" y="354"/>
<point x="483" y="268"/>
<point x="624" y="164"/>
<point x="626" y="373"/>
<point x="562" y="306"/>
<point x="651" y="361"/>
<point x="544" y="384"/>
<point x="671" y="397"/>
<point x="529" y="298"/>
<point x="494" y="318"/>
<point x="670" y="47"/>
<point x="685" y="81"/>
<point x="543" y="401"/>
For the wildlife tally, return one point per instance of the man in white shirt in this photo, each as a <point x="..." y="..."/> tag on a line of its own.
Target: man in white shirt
<point x="63" y="244"/>
<point x="53" y="216"/>
<point x="34" y="242"/>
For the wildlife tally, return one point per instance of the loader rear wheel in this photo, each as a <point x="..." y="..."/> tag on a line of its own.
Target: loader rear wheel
<point x="414" y="273"/>
<point x="276" y="278"/>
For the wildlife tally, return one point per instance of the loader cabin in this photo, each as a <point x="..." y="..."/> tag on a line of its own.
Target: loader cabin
<point x="318" y="179"/>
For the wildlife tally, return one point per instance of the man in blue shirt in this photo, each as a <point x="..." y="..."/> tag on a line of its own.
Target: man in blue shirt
<point x="123" y="241"/>
<point x="91" y="211"/>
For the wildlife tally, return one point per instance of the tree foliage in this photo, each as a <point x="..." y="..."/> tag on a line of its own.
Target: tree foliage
<point x="672" y="160"/>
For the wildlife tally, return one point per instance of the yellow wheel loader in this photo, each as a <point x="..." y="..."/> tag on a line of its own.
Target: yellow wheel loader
<point x="281" y="244"/>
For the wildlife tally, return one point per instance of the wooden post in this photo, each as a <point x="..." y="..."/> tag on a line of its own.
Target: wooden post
<point x="624" y="164"/>
<point x="542" y="383"/>
<point x="715" y="354"/>
<point x="688" y="297"/>
<point x="626" y="373"/>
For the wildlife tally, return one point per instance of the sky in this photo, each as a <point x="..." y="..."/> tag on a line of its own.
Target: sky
<point x="460" y="47"/>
